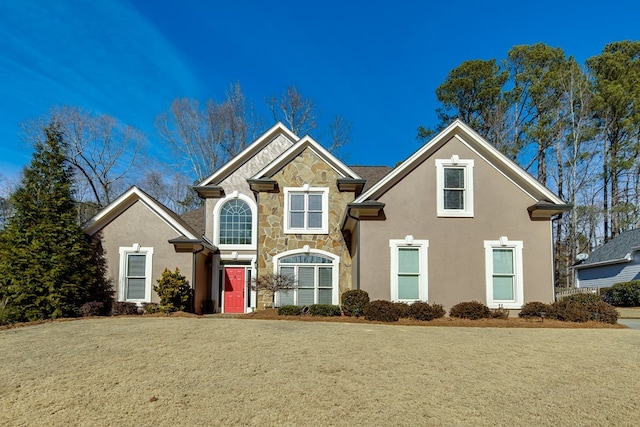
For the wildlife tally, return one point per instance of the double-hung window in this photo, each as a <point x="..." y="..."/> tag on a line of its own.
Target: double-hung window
<point x="503" y="263"/>
<point x="455" y="187"/>
<point x="135" y="274"/>
<point x="409" y="278"/>
<point x="306" y="210"/>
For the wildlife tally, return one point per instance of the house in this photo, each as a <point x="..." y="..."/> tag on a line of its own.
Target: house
<point x="616" y="261"/>
<point x="456" y="221"/>
<point x="140" y="237"/>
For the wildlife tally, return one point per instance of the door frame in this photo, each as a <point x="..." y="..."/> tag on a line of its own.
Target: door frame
<point x="248" y="262"/>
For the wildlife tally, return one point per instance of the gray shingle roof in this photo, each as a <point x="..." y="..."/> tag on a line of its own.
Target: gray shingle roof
<point x="616" y="248"/>
<point x="371" y="174"/>
<point x="195" y="219"/>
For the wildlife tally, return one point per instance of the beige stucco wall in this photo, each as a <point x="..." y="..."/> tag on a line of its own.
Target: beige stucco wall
<point x="138" y="224"/>
<point x="456" y="254"/>
<point x="310" y="169"/>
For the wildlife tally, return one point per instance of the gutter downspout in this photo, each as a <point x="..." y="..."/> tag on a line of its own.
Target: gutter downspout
<point x="357" y="220"/>
<point x="193" y="277"/>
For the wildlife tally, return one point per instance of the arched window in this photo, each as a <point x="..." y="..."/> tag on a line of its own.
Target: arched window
<point x="235" y="223"/>
<point x="316" y="276"/>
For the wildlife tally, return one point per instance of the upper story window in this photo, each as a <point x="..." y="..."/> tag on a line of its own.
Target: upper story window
<point x="306" y="210"/>
<point x="235" y="222"/>
<point x="455" y="187"/>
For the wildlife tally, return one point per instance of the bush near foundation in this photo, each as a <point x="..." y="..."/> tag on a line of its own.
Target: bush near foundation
<point x="403" y="309"/>
<point x="120" y="308"/>
<point x="533" y="309"/>
<point x="174" y="290"/>
<point x="470" y="310"/>
<point x="93" y="308"/>
<point x="382" y="311"/>
<point x="326" y="310"/>
<point x="355" y="302"/>
<point x="289" y="310"/>
<point x="623" y="294"/>
<point x="424" y="311"/>
<point x="572" y="310"/>
<point x="151" y="307"/>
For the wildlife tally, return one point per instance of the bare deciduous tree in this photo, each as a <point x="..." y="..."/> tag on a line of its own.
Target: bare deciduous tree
<point x="273" y="283"/>
<point x="102" y="150"/>
<point x="206" y="137"/>
<point x="295" y="111"/>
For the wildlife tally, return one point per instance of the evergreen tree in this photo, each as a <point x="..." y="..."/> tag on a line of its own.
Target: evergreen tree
<point x="47" y="264"/>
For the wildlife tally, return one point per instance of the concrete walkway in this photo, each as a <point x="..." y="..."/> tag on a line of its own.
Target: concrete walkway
<point x="631" y="323"/>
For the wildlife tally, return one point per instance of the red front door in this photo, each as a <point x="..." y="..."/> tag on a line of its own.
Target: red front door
<point x="234" y="290"/>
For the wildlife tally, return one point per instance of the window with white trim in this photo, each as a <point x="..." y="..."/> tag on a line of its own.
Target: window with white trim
<point x="316" y="278"/>
<point x="504" y="281"/>
<point x="234" y="222"/>
<point x="135" y="274"/>
<point x="306" y="210"/>
<point x="454" y="179"/>
<point x="409" y="275"/>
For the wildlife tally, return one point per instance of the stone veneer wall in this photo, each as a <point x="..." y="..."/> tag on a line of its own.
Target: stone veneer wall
<point x="310" y="169"/>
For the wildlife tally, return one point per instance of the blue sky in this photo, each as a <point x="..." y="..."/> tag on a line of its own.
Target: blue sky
<point x="376" y="63"/>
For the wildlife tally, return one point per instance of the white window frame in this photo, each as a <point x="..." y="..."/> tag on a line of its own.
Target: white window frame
<point x="518" y="291"/>
<point x="122" y="288"/>
<point x="335" y="273"/>
<point x="306" y="190"/>
<point x="254" y="223"/>
<point x="467" y="166"/>
<point x="423" y="246"/>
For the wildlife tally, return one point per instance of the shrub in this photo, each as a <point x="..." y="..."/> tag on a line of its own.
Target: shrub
<point x="324" y="310"/>
<point x="420" y="310"/>
<point x="584" y="298"/>
<point x="570" y="310"/>
<point x="533" y="309"/>
<point x="355" y="302"/>
<point x="382" y="311"/>
<point x="93" y="308"/>
<point x="470" y="310"/>
<point x="500" y="313"/>
<point x="289" y="310"/>
<point x="403" y="309"/>
<point x="120" y="308"/>
<point x="151" y="307"/>
<point x="174" y="290"/>
<point x="624" y="294"/>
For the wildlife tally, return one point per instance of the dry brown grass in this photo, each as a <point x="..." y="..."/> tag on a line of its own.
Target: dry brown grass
<point x="217" y="371"/>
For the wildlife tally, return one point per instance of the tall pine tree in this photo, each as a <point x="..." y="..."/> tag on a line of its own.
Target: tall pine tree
<point x="48" y="267"/>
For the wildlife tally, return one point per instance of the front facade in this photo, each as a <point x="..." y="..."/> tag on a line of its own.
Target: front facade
<point x="457" y="221"/>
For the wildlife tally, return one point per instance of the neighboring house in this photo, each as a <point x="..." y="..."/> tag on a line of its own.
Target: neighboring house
<point x="457" y="221"/>
<point x="616" y="261"/>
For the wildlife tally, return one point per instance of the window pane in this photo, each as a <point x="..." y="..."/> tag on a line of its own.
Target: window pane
<point x="503" y="261"/>
<point x="235" y="223"/>
<point x="306" y="277"/>
<point x="287" y="271"/>
<point x="305" y="259"/>
<point x="296" y="220"/>
<point x="136" y="265"/>
<point x="286" y="297"/>
<point x="325" y="296"/>
<point x="325" y="277"/>
<point x="135" y="288"/>
<point x="315" y="220"/>
<point x="306" y="296"/>
<point x="296" y="202"/>
<point x="408" y="260"/>
<point x="454" y="199"/>
<point x="453" y="178"/>
<point x="315" y="202"/>
<point x="408" y="287"/>
<point x="503" y="288"/>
